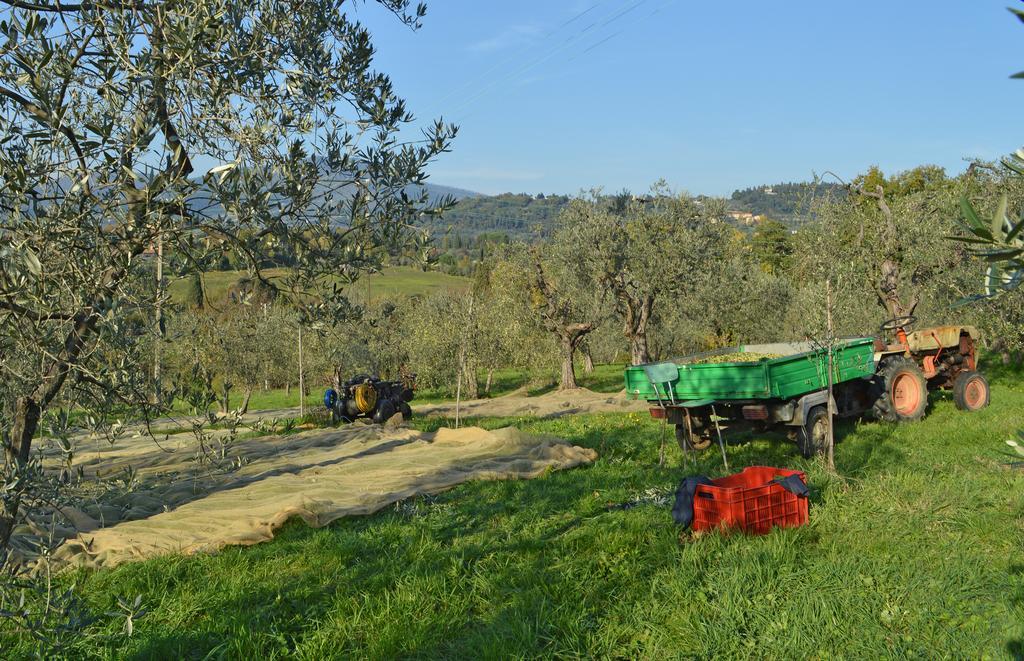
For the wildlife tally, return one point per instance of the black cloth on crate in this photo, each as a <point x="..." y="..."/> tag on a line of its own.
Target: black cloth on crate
<point x="794" y="485"/>
<point x="682" y="511"/>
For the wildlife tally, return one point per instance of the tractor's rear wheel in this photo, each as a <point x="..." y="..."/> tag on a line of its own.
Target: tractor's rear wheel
<point x="970" y="391"/>
<point x="699" y="441"/>
<point x="901" y="391"/>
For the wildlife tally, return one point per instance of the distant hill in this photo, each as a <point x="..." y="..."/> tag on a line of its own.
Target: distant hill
<point x="326" y="188"/>
<point x="391" y="282"/>
<point x="515" y="214"/>
<point x="525" y="215"/>
<point x="521" y="215"/>
<point x="438" y="191"/>
<point x="788" y="203"/>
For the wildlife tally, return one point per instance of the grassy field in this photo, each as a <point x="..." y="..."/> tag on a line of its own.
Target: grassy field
<point x="917" y="551"/>
<point x="391" y="282"/>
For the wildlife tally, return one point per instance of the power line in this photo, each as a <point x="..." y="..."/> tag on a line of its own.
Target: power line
<point x="437" y="106"/>
<point x="544" y="58"/>
<point x="570" y="42"/>
<point x="615" y="34"/>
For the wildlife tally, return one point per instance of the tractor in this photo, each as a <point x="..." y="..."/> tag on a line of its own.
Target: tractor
<point x="370" y="397"/>
<point x="915" y="362"/>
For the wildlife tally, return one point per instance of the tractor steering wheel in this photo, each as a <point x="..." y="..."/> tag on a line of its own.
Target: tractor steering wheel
<point x="898" y="322"/>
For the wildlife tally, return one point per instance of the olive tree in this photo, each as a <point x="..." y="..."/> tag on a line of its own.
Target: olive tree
<point x="644" y="252"/>
<point x="205" y="126"/>
<point x="435" y="330"/>
<point x="512" y="330"/>
<point x="886" y="242"/>
<point x="563" y="299"/>
<point x="256" y="345"/>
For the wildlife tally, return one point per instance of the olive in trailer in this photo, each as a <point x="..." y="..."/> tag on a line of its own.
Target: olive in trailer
<point x="370" y="397"/>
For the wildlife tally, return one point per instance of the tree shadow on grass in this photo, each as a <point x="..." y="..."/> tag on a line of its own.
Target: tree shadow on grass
<point x="568" y="507"/>
<point x="537" y="513"/>
<point x="1015" y="647"/>
<point x="279" y="618"/>
<point x="872" y="448"/>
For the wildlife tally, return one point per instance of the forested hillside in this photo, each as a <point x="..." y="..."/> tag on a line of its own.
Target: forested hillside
<point x="522" y="215"/>
<point x="515" y="214"/>
<point x="789" y="203"/>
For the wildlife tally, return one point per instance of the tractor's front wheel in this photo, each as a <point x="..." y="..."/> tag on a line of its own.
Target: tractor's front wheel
<point x="970" y="391"/>
<point x="901" y="391"/>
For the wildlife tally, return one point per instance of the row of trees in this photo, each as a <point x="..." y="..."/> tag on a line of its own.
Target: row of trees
<point x="665" y="275"/>
<point x="660" y="276"/>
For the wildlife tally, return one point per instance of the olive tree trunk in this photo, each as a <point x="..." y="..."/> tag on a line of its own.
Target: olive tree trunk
<point x="225" y="401"/>
<point x="469" y="379"/>
<point x="588" y="358"/>
<point x="245" y="400"/>
<point x="28" y="409"/>
<point x="557" y="317"/>
<point x="636" y="313"/>
<point x="639" y="351"/>
<point x="570" y="338"/>
<point x="567" y="381"/>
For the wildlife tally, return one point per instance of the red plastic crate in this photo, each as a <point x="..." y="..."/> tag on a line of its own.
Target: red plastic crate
<point x="749" y="500"/>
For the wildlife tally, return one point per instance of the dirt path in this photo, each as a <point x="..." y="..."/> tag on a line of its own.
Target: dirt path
<point x="517" y="403"/>
<point x="550" y="405"/>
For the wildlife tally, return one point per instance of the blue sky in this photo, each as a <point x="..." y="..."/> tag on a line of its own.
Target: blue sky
<point x="560" y="96"/>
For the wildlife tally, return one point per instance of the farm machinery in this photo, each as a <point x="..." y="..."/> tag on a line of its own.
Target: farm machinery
<point x="785" y="385"/>
<point x="370" y="397"/>
<point x="942" y="357"/>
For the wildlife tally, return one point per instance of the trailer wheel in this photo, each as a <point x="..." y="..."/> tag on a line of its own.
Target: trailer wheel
<point x="699" y="441"/>
<point x="970" y="391"/>
<point x="812" y="437"/>
<point x="901" y="391"/>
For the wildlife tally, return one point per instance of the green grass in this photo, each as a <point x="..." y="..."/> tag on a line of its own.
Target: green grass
<point x="391" y="282"/>
<point x="917" y="552"/>
<point x="263" y="400"/>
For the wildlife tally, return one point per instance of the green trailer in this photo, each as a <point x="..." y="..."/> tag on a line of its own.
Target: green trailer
<point x="760" y="386"/>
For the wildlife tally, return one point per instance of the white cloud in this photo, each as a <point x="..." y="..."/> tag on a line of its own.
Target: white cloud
<point x="507" y="38"/>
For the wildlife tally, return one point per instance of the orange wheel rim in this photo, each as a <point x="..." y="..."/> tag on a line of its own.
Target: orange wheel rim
<point x="906" y="394"/>
<point x="974" y="394"/>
